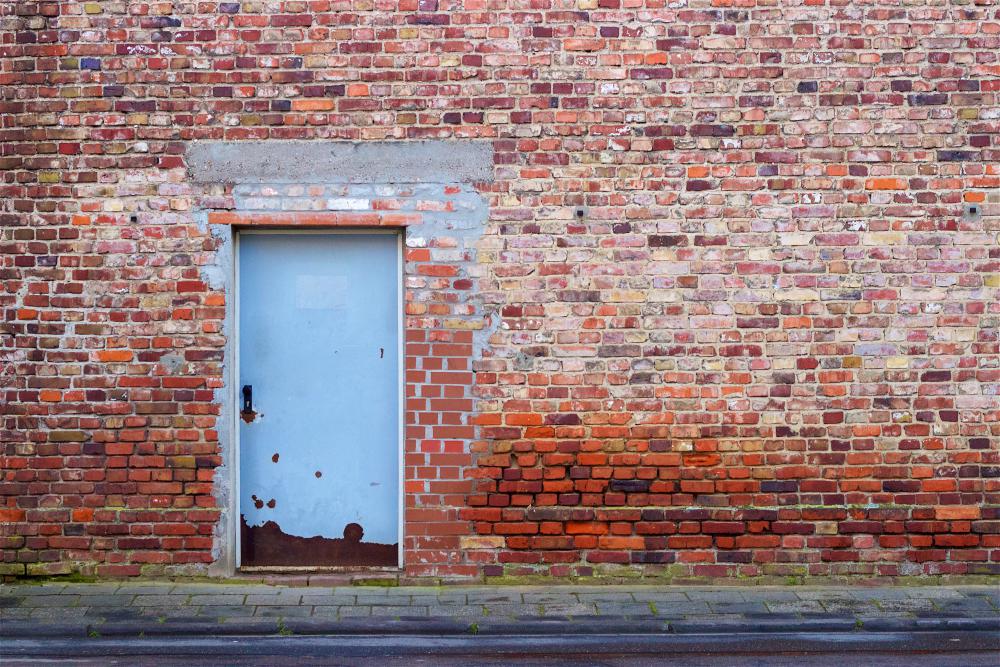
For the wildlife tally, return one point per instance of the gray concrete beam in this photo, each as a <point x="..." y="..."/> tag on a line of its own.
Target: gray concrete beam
<point x="340" y="161"/>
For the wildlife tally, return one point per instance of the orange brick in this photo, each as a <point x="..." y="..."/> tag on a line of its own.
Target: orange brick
<point x="115" y="355"/>
<point x="957" y="512"/>
<point x="313" y="104"/>
<point x="885" y="184"/>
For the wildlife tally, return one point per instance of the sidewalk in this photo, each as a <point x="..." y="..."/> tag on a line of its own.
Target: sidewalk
<point x="58" y="610"/>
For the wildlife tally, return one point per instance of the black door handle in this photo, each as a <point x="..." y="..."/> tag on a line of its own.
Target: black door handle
<point x="247" y="398"/>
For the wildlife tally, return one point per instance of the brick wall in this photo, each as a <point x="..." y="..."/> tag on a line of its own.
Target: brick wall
<point x="736" y="298"/>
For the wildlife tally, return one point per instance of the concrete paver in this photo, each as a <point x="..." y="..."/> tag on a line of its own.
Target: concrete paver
<point x="192" y="607"/>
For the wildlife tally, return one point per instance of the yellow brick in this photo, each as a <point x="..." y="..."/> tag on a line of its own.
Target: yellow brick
<point x="481" y="542"/>
<point x="826" y="527"/>
<point x="897" y="362"/>
<point x="992" y="280"/>
<point x="882" y="238"/>
<point x="796" y="295"/>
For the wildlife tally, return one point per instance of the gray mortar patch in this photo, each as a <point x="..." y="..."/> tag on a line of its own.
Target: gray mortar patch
<point x="340" y="162"/>
<point x="465" y="224"/>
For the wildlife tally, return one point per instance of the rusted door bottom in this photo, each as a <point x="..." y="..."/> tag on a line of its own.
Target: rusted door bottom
<point x="269" y="546"/>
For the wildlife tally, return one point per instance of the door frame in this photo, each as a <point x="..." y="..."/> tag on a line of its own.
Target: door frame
<point x="233" y="378"/>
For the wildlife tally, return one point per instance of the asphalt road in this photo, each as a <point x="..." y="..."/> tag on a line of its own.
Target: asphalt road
<point x="925" y="649"/>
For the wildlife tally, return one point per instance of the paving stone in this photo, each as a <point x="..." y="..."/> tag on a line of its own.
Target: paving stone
<point x="965" y="604"/>
<point x="821" y="594"/>
<point x="456" y="611"/>
<point x="420" y="590"/>
<point x="849" y="606"/>
<point x="354" y="610"/>
<point x="324" y="591"/>
<point x="738" y="607"/>
<point x="58" y="613"/>
<point x="626" y="609"/>
<point x="659" y="596"/>
<point x="512" y="609"/>
<point x="168" y="612"/>
<point x="279" y="611"/>
<point x="717" y="596"/>
<point x="909" y="604"/>
<point x="224" y="610"/>
<point x="60" y="601"/>
<point x="105" y="600"/>
<point x="326" y="611"/>
<point x="217" y="599"/>
<point x="668" y="608"/>
<point x="933" y="592"/>
<point x="769" y="596"/>
<point x="283" y="600"/>
<point x="494" y="597"/>
<point x="548" y="598"/>
<point x="212" y="589"/>
<point x="31" y="590"/>
<point x="399" y="610"/>
<point x="611" y="597"/>
<point x="160" y="600"/>
<point x="568" y="609"/>
<point x="115" y="612"/>
<point x="145" y="589"/>
<point x="329" y="600"/>
<point x="876" y="593"/>
<point x="393" y="601"/>
<point x="439" y="599"/>
<point x="91" y="589"/>
<point x="794" y="607"/>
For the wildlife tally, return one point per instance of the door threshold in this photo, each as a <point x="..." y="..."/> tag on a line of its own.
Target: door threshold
<point x="319" y="569"/>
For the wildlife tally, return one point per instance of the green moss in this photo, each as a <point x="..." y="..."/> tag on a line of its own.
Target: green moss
<point x="382" y="583"/>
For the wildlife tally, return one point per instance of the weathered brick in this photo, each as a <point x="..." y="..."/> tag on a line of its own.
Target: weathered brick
<point x="723" y="314"/>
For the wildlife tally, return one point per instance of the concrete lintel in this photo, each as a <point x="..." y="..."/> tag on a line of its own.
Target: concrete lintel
<point x="340" y="161"/>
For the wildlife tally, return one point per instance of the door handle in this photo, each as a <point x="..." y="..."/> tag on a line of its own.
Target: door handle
<point x="247" y="414"/>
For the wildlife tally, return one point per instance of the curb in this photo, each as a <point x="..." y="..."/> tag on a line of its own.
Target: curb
<point x="843" y="647"/>
<point x="528" y="626"/>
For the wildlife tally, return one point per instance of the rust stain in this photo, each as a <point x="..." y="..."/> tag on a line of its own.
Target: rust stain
<point x="257" y="502"/>
<point x="248" y="415"/>
<point x="269" y="545"/>
<point x="274" y="457"/>
<point x="270" y="503"/>
<point x="318" y="474"/>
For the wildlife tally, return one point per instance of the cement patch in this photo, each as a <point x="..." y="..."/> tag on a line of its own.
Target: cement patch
<point x="340" y="161"/>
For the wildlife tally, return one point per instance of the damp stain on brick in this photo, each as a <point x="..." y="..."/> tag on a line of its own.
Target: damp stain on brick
<point x="269" y="545"/>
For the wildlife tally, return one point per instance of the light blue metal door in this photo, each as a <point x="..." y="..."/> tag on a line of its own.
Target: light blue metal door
<point x="319" y="399"/>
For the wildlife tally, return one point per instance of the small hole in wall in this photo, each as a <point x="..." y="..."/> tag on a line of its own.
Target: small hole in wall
<point x="973" y="210"/>
<point x="133" y="218"/>
<point x="580" y="213"/>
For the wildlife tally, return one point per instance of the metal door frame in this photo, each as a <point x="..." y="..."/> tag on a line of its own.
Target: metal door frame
<point x="234" y="378"/>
